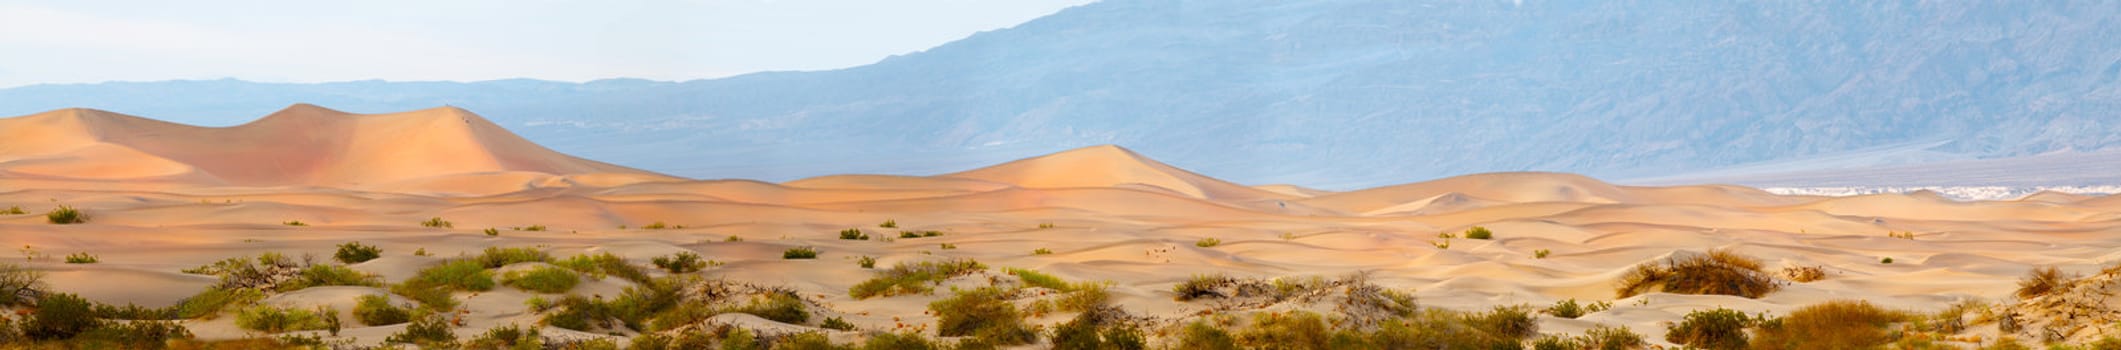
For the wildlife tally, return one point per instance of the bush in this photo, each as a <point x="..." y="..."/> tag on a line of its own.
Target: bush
<point x="437" y="222"/>
<point x="1041" y="251"/>
<point x="1040" y="279"/>
<point x="1718" y="272"/>
<point x="912" y="278"/>
<point x="1570" y="309"/>
<point x="508" y="337"/>
<point x="465" y="275"/>
<point x="13" y="210"/>
<point x="836" y="323"/>
<point x="294" y="223"/>
<point x="81" y="258"/>
<point x="1839" y="324"/>
<point x="60" y="316"/>
<point x="1804" y="273"/>
<point x="866" y="262"/>
<point x="803" y="252"/>
<point x="888" y="223"/>
<point x="781" y="307"/>
<point x="853" y="234"/>
<point x="1207" y="242"/>
<point x="682" y="262"/>
<point x="949" y="246"/>
<point x="431" y="331"/>
<point x="1201" y="335"/>
<point x="1541" y="253"/>
<point x="534" y="228"/>
<point x="328" y="275"/>
<point x="895" y="341"/>
<point x="376" y="310"/>
<point x="132" y="335"/>
<point x="355" y="253"/>
<point x="213" y="300"/>
<point x="492" y="232"/>
<point x="2039" y="282"/>
<point x="605" y="264"/>
<point x="496" y="257"/>
<point x="1201" y="286"/>
<point x="543" y="279"/>
<point x="1612" y="338"/>
<point x="1478" y="232"/>
<point x="1716" y="329"/>
<point x="14" y="279"/>
<point x="658" y="225"/>
<point x="271" y="319"/>
<point x="1295" y="330"/>
<point x="1507" y="322"/>
<point x="65" y="215"/>
<point x="983" y="313"/>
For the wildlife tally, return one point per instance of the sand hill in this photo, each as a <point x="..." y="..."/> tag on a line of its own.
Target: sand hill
<point x="1100" y="213"/>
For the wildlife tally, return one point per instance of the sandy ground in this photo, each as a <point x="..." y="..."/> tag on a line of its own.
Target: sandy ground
<point x="1114" y="215"/>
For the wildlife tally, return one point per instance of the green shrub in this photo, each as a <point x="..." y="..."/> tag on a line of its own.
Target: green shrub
<point x="1045" y="225"/>
<point x="909" y="234"/>
<point x="465" y="275"/>
<point x="895" y="341"/>
<point x="431" y="331"/>
<point x="496" y="257"/>
<point x="1567" y="308"/>
<point x="1886" y="260"/>
<point x="294" y="223"/>
<point x="1201" y="286"/>
<point x="376" y="310"/>
<point x="328" y="275"/>
<point x="213" y="300"/>
<point x="543" y="279"/>
<point x="437" y="222"/>
<point x="781" y="307"/>
<point x="1478" y="232"/>
<point x="604" y="264"/>
<point x="81" y="258"/>
<point x="1091" y="331"/>
<point x="913" y="278"/>
<point x="534" y="228"/>
<point x="806" y="341"/>
<point x="2039" y="282"/>
<point x="836" y="323"/>
<point x="355" y="253"/>
<point x="658" y="225"/>
<point x="1612" y="338"/>
<point x="14" y="279"/>
<point x="510" y="337"/>
<point x="949" y="246"/>
<point x="491" y="232"/>
<point x="853" y="234"/>
<point x="1541" y="253"/>
<point x="60" y="316"/>
<point x="1718" y="272"/>
<point x="1294" y="330"/>
<point x="1839" y="324"/>
<point x="982" y="313"/>
<point x="803" y="252"/>
<point x="1040" y="279"/>
<point x="866" y="262"/>
<point x="888" y="223"/>
<point x="682" y="262"/>
<point x="1716" y="329"/>
<point x="132" y="335"/>
<point x="1208" y="242"/>
<point x="1506" y="322"/>
<point x="65" y="215"/>
<point x="1041" y="251"/>
<point x="271" y="319"/>
<point x="1201" y="335"/>
<point x="578" y="313"/>
<point x="13" y="210"/>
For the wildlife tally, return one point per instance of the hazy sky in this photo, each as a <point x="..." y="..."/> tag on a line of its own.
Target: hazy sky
<point x="310" y="41"/>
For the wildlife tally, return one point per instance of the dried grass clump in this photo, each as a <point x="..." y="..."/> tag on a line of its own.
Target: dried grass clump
<point x="1718" y="272"/>
<point x="2041" y="282"/>
<point x="1840" y="324"/>
<point x="1804" y="273"/>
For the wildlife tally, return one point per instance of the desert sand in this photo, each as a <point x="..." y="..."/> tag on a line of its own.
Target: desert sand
<point x="166" y="197"/>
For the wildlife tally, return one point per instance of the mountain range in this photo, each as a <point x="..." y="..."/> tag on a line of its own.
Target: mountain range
<point x="1337" y="94"/>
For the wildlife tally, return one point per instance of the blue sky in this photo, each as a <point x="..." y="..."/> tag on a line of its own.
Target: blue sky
<point x="313" y="41"/>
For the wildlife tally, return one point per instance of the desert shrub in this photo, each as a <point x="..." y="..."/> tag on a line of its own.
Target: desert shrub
<point x="466" y="275"/>
<point x="836" y="323"/>
<point x="658" y="225"/>
<point x="682" y="262"/>
<point x="782" y="307"/>
<point x="636" y="304"/>
<point x="543" y="279"/>
<point x="1541" y="253"/>
<point x="213" y="300"/>
<point x="604" y="264"/>
<point x="2041" y="281"/>
<point x="355" y="253"/>
<point x="1718" y="272"/>
<point x="1045" y="225"/>
<point x="578" y="313"/>
<point x="430" y="331"/>
<point x="1091" y="331"/>
<point x="271" y="319"/>
<point x="1716" y="329"/>
<point x="437" y="222"/>
<point x="803" y="252"/>
<point x="65" y="215"/>
<point x="294" y="223"/>
<point x="913" y="278"/>
<point x="909" y="234"/>
<point x="1294" y="330"/>
<point x="867" y="262"/>
<point x="888" y="223"/>
<point x="1086" y="296"/>
<point x="853" y="234"/>
<point x="1567" y="308"/>
<point x="1839" y="324"/>
<point x="132" y="312"/>
<point x="1605" y="337"/>
<point x="949" y="246"/>
<point x="1507" y="322"/>
<point x="1556" y="342"/>
<point x="328" y="275"/>
<point x="806" y="341"/>
<point x="1041" y="251"/>
<point x="534" y="228"/>
<point x="1207" y="242"/>
<point x="1201" y="335"/>
<point x="496" y="257"/>
<point x="1804" y="273"/>
<point x="907" y="340"/>
<point x="491" y="232"/>
<point x="81" y="258"/>
<point x="131" y="335"/>
<point x="13" y="210"/>
<point x="1478" y="232"/>
<point x="60" y="316"/>
<point x="15" y="279"/>
<point x="1885" y="260"/>
<point x="376" y="310"/>
<point x="982" y="313"/>
<point x="1040" y="279"/>
<point x="508" y="337"/>
<point x="1201" y="286"/>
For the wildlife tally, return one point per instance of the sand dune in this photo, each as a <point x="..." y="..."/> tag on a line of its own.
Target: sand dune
<point x="164" y="197"/>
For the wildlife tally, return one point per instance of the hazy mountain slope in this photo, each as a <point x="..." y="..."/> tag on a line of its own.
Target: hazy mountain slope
<point x="1336" y="94"/>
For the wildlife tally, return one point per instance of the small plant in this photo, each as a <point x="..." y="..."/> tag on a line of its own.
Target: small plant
<point x="422" y="251"/>
<point x="437" y="222"/>
<point x="658" y="225"/>
<point x="682" y="262"/>
<point x="1901" y="235"/>
<point x="888" y="223"/>
<point x="376" y="310"/>
<point x="853" y="234"/>
<point x="2037" y="283"/>
<point x="1478" y="232"/>
<point x="492" y="232"/>
<point x="949" y="246"/>
<point x="913" y="278"/>
<point x="1541" y="254"/>
<point x="1804" y="273"/>
<point x="1201" y="286"/>
<point x="327" y="275"/>
<point x="16" y="280"/>
<point x="803" y="252"/>
<point x="355" y="253"/>
<point x="983" y="313"/>
<point x="13" y="210"/>
<point x="1717" y="272"/>
<point x="534" y="228"/>
<point x="909" y="234"/>
<point x="1606" y="337"/>
<point x="294" y="223"/>
<point x="1042" y="225"/>
<point x="1719" y="328"/>
<point x="836" y="323"/>
<point x="507" y="337"/>
<point x="64" y="215"/>
<point x="271" y="319"/>
<point x="1839" y="324"/>
<point x="1288" y="236"/>
<point x="1207" y="242"/>
<point x="866" y="262"/>
<point x="1567" y="308"/>
<point x="429" y="331"/>
<point x="543" y="279"/>
<point x="733" y="238"/>
<point x="1042" y="251"/>
<point x="1886" y="260"/>
<point x="80" y="258"/>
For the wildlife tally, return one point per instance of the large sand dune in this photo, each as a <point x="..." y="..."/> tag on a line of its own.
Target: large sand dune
<point x="164" y="197"/>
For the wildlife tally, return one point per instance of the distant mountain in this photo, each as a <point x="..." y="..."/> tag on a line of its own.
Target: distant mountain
<point x="1330" y="93"/>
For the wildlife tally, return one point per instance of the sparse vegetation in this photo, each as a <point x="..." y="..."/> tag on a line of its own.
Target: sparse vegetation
<point x="355" y="253"/>
<point x="13" y="210"/>
<point x="534" y="228"/>
<point x="64" y="215"/>
<point x="888" y="223"/>
<point x="1717" y="272"/>
<point x="496" y="257"/>
<point x="2040" y="282"/>
<point x="867" y="262"/>
<point x="658" y="225"/>
<point x="1041" y="251"/>
<point x="913" y="278"/>
<point x="271" y="319"/>
<point x="81" y="258"/>
<point x="984" y="314"/>
<point x="948" y="246"/>
<point x="543" y="279"/>
<point x="294" y="223"/>
<point x="1910" y="235"/>
<point x="430" y="331"/>
<point x="803" y="252"/>
<point x="1804" y="273"/>
<point x="1568" y="308"/>
<point x="492" y="232"/>
<point x="1207" y="242"/>
<point x="376" y="310"/>
<point x="507" y="337"/>
<point x="853" y="234"/>
<point x="437" y="222"/>
<point x="836" y="323"/>
<point x="327" y="275"/>
<point x="1714" y="329"/>
<point x="1478" y="232"/>
<point x="1886" y="260"/>
<point x="681" y="262"/>
<point x="1541" y="253"/>
<point x="16" y="280"/>
<point x="1042" y="225"/>
<point x="1840" y="324"/>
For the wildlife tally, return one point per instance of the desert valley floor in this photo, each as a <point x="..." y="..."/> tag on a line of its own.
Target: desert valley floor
<point x="161" y="199"/>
